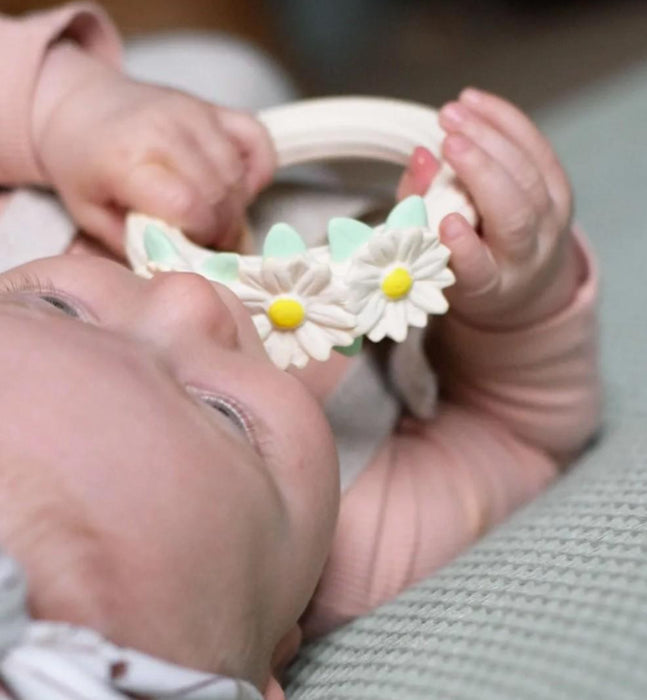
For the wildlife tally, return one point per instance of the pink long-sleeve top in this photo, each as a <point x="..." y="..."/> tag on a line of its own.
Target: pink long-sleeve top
<point x="32" y="222"/>
<point x="24" y="44"/>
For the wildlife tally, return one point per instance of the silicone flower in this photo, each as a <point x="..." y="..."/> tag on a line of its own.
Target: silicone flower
<point x="161" y="253"/>
<point x="397" y="276"/>
<point x="298" y="309"/>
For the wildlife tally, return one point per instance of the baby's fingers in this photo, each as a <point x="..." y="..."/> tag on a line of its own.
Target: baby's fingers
<point x="508" y="217"/>
<point x="104" y="223"/>
<point x="150" y="188"/>
<point x="475" y="269"/>
<point x="255" y="147"/>
<point x="512" y="122"/>
<point x="157" y="190"/>
<point x="421" y="169"/>
<point x="224" y="188"/>
<point x="456" y="117"/>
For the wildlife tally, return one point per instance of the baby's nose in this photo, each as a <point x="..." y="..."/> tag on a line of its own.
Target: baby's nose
<point x="185" y="307"/>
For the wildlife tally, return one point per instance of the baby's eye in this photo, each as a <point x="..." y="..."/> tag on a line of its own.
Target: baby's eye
<point x="229" y="411"/>
<point x="237" y="415"/>
<point x="60" y="304"/>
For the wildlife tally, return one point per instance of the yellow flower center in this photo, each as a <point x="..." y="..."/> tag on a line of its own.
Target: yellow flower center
<point x="397" y="283"/>
<point x="286" y="313"/>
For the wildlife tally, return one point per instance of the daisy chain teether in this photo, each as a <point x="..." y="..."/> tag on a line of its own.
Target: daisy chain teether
<point x="373" y="281"/>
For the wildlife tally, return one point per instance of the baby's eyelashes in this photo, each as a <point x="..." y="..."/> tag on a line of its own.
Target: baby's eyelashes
<point x="235" y="414"/>
<point x="229" y="411"/>
<point x="32" y="288"/>
<point x="60" y="304"/>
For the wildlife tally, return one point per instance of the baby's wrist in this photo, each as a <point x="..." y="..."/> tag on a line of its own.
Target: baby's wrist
<point x="67" y="68"/>
<point x="562" y="291"/>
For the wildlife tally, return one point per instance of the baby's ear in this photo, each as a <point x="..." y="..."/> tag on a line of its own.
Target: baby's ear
<point x="274" y="690"/>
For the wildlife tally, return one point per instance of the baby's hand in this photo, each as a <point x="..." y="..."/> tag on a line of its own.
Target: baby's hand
<point x="113" y="144"/>
<point x="521" y="266"/>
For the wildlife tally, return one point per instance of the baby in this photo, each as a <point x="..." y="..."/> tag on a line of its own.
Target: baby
<point x="161" y="481"/>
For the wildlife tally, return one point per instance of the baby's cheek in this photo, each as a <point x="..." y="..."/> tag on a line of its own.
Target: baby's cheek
<point x="67" y="571"/>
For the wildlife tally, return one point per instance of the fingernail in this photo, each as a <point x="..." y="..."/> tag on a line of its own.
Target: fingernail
<point x="471" y="95"/>
<point x="422" y="158"/>
<point x="453" y="114"/>
<point x="457" y="144"/>
<point x="422" y="170"/>
<point x="452" y="228"/>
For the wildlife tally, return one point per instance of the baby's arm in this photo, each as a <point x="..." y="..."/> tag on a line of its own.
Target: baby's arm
<point x="25" y="44"/>
<point x="520" y="385"/>
<point x="108" y="144"/>
<point x="520" y="341"/>
<point x="517" y="403"/>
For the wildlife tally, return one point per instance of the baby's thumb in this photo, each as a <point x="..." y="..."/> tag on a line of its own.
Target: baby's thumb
<point x="156" y="190"/>
<point x="160" y="192"/>
<point x="103" y="223"/>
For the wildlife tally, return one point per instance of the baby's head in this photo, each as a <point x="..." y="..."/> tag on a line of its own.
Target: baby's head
<point x="161" y="480"/>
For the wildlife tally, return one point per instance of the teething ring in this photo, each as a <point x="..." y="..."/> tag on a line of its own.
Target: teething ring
<point x="373" y="281"/>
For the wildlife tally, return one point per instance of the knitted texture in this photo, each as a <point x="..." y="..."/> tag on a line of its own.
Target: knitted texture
<point x="553" y="604"/>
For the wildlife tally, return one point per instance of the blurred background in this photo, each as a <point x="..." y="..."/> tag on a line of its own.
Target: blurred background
<point x="534" y="53"/>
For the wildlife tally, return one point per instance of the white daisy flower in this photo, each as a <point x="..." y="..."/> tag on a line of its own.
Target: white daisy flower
<point x="297" y="307"/>
<point x="396" y="280"/>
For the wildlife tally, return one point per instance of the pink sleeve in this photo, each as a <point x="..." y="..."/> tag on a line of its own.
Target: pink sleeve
<point x="543" y="381"/>
<point x="432" y="491"/>
<point x="516" y="402"/>
<point x="24" y="42"/>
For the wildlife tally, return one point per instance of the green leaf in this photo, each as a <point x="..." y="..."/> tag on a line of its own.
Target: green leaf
<point x="349" y="350"/>
<point x="345" y="236"/>
<point x="159" y="248"/>
<point x="409" y="212"/>
<point x="282" y="241"/>
<point x="221" y="267"/>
